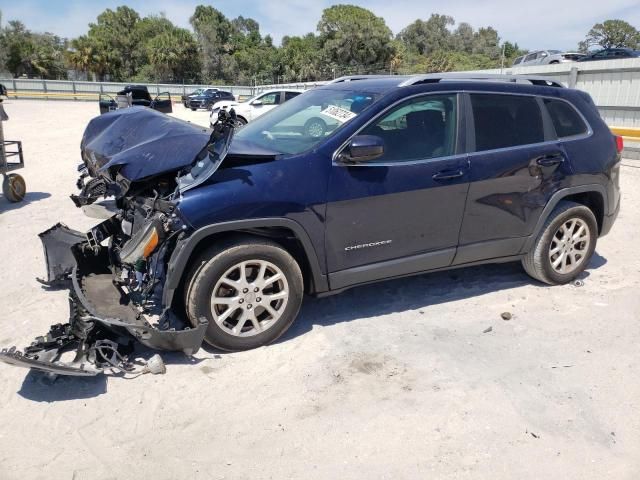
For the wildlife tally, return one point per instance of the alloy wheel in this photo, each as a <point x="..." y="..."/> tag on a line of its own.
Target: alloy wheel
<point x="249" y="298"/>
<point x="569" y="246"/>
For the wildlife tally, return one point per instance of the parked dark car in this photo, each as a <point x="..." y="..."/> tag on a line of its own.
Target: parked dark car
<point x="207" y="98"/>
<point x="139" y="97"/>
<point x="220" y="236"/>
<point x="196" y="92"/>
<point x="3" y="90"/>
<point x="610" y="54"/>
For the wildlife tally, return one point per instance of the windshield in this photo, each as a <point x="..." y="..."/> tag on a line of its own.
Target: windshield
<point x="303" y="122"/>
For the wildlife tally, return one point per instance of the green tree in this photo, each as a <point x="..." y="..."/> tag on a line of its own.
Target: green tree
<point x="486" y="42"/>
<point x="300" y="58"/>
<point x="612" y="34"/>
<point x="354" y="36"/>
<point x="462" y="38"/>
<point x="213" y="33"/>
<point x="116" y="37"/>
<point x="32" y="54"/>
<point x="173" y="56"/>
<point x="428" y="36"/>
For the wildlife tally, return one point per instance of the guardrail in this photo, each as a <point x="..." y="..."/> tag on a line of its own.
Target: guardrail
<point x="89" y="91"/>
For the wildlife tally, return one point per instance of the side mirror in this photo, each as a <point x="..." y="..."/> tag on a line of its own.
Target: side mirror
<point x="256" y="103"/>
<point x="363" y="148"/>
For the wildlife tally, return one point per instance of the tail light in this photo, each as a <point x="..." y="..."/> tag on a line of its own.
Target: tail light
<point x="619" y="143"/>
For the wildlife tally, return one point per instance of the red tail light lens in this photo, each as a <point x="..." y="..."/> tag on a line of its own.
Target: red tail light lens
<point x="619" y="143"/>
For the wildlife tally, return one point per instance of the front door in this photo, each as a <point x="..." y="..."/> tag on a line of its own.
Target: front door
<point x="264" y="103"/>
<point x="401" y="213"/>
<point x="162" y="103"/>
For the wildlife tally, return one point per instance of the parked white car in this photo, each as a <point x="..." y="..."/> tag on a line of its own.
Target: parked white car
<point x="254" y="107"/>
<point x="547" y="57"/>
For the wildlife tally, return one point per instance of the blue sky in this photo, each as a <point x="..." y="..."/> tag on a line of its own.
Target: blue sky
<point x="533" y="24"/>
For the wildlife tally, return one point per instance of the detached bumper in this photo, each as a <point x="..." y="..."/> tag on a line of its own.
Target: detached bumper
<point x="103" y="316"/>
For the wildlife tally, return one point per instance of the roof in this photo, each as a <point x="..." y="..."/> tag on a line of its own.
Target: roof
<point x="387" y="82"/>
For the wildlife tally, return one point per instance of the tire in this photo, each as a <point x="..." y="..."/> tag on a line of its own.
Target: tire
<point x="571" y="258"/>
<point x="193" y="109"/>
<point x="554" y="62"/>
<point x="14" y="187"/>
<point x="241" y="121"/>
<point x="245" y="302"/>
<point x="315" y="127"/>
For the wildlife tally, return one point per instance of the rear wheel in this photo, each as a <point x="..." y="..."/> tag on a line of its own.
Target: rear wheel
<point x="315" y="128"/>
<point x="565" y="245"/>
<point x="14" y="187"/>
<point x="250" y="290"/>
<point x="241" y="121"/>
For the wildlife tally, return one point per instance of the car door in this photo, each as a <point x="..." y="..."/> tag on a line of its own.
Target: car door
<point x="401" y="213"/>
<point x="106" y="103"/>
<point x="514" y="162"/>
<point x="162" y="103"/>
<point x="264" y="103"/>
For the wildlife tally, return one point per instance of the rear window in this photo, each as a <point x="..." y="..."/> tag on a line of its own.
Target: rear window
<point x="503" y="121"/>
<point x="289" y="95"/>
<point x="566" y="120"/>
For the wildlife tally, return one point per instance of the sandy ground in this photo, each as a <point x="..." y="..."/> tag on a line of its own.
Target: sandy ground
<point x="395" y="380"/>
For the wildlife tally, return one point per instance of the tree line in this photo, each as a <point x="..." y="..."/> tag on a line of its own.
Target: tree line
<point x="123" y="46"/>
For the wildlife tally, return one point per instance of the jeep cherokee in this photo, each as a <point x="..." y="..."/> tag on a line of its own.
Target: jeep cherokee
<point x="215" y="237"/>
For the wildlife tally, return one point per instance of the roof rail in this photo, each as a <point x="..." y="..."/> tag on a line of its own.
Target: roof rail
<point x="482" y="77"/>
<point x="353" y="78"/>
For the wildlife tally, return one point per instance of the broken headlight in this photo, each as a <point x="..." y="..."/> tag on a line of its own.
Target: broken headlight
<point x="143" y="243"/>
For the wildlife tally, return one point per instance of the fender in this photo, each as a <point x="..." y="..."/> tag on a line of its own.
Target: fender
<point x="184" y="249"/>
<point x="553" y="202"/>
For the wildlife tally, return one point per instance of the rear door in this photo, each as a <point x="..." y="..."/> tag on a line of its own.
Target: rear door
<point x="162" y="103"/>
<point x="515" y="161"/>
<point x="399" y="214"/>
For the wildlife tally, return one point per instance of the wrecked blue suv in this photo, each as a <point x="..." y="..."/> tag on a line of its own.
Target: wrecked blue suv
<point x="212" y="236"/>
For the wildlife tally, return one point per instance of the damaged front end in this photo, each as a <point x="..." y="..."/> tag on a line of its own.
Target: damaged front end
<point x="116" y="271"/>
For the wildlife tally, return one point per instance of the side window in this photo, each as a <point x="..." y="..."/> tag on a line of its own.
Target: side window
<point x="517" y="60"/>
<point x="289" y="95"/>
<point x="566" y="120"/>
<point x="530" y="57"/>
<point x="503" y="121"/>
<point x="420" y="128"/>
<point x="270" y="98"/>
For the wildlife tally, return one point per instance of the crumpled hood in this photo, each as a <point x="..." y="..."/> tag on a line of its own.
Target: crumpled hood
<point x="143" y="141"/>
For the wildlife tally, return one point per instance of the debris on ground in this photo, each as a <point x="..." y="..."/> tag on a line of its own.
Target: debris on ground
<point x="578" y="283"/>
<point x="506" y="316"/>
<point x="487" y="330"/>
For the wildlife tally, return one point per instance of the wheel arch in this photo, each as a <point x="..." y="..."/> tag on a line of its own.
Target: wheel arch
<point x="593" y="196"/>
<point x="288" y="233"/>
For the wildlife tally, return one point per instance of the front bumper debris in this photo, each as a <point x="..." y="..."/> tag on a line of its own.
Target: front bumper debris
<point x="103" y="320"/>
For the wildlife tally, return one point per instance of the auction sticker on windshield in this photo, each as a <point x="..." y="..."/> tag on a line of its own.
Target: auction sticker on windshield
<point x="340" y="114"/>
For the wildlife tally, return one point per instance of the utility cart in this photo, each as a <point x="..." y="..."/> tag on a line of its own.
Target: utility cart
<point x="11" y="158"/>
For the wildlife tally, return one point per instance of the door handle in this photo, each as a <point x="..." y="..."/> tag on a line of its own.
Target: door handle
<point x="550" y="160"/>
<point x="448" y="174"/>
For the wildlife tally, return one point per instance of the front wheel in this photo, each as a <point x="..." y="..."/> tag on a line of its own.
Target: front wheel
<point x="565" y="245"/>
<point x="249" y="289"/>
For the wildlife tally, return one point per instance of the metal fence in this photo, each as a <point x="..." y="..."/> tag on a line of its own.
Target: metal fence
<point x="613" y="84"/>
<point x="79" y="90"/>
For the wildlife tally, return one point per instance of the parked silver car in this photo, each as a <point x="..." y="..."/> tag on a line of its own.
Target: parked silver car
<point x="546" y="57"/>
